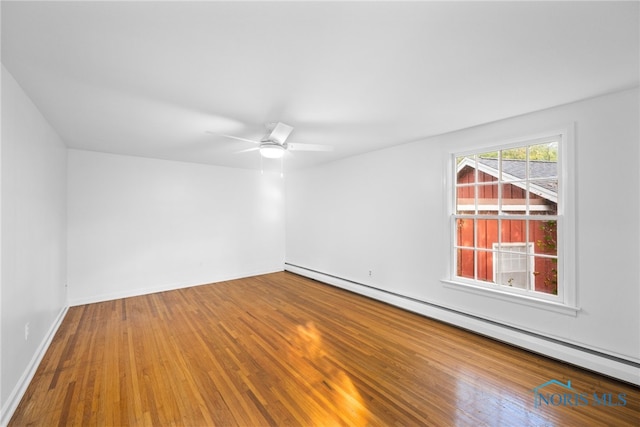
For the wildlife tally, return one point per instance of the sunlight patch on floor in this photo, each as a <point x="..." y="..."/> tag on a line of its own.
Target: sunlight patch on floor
<point x="343" y="403"/>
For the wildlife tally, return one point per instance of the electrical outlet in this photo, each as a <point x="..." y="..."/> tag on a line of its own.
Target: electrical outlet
<point x="26" y="331"/>
<point x="370" y="273"/>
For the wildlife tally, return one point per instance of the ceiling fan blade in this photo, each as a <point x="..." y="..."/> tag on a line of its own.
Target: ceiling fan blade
<point x="246" y="150"/>
<point x="232" y="137"/>
<point x="241" y="139"/>
<point x="309" y="147"/>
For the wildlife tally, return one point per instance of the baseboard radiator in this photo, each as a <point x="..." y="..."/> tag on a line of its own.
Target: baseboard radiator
<point x="615" y="367"/>
<point x="14" y="398"/>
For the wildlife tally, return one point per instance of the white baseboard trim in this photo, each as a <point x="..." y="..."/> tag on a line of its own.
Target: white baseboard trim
<point x="165" y="287"/>
<point x="592" y="360"/>
<point x="21" y="387"/>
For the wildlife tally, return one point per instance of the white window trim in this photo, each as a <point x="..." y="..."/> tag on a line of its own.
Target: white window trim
<point x="494" y="291"/>
<point x="566" y="302"/>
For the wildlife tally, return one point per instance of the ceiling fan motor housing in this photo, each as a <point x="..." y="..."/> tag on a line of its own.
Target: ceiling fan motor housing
<point x="279" y="133"/>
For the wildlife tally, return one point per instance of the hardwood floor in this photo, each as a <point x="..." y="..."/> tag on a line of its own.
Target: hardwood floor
<point x="280" y="349"/>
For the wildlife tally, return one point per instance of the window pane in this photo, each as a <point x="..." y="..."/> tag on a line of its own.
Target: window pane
<point x="465" y="167"/>
<point x="465" y="263"/>
<point x="514" y="198"/>
<point x="543" y="197"/>
<point x="517" y="153"/>
<point x="488" y="155"/>
<point x="513" y="169"/>
<point x="465" y="199"/>
<point x="488" y="198"/>
<point x="546" y="275"/>
<point x="544" y="234"/>
<point x="547" y="156"/>
<point x="488" y="167"/>
<point x="485" y="266"/>
<point x="512" y="230"/>
<point x="487" y="230"/>
<point x="465" y="229"/>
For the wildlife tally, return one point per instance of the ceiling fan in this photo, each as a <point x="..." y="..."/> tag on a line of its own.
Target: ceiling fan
<point x="273" y="144"/>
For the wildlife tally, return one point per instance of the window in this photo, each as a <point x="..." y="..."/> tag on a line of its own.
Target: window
<point x="507" y="219"/>
<point x="510" y="268"/>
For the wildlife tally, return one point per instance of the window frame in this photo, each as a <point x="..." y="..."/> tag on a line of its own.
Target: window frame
<point x="566" y="299"/>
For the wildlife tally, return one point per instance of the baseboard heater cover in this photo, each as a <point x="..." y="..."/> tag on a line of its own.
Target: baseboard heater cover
<point x="16" y="395"/>
<point x="602" y="363"/>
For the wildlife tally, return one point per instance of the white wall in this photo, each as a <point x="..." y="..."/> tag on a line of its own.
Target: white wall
<point x="33" y="236"/>
<point x="383" y="212"/>
<point x="139" y="225"/>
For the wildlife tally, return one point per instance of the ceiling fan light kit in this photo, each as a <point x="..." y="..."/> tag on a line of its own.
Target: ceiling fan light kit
<point x="272" y="150"/>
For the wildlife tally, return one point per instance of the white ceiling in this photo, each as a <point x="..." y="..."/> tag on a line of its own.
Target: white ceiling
<point x="151" y="78"/>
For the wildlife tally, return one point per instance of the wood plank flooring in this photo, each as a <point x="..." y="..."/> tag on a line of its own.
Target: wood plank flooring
<point x="280" y="350"/>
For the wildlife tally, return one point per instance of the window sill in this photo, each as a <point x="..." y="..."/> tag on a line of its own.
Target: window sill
<point x="514" y="298"/>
